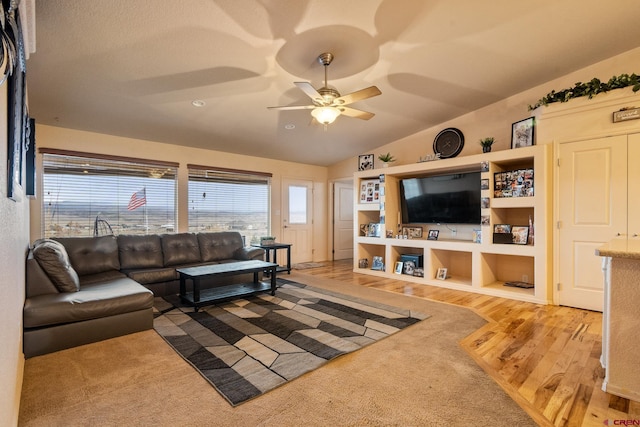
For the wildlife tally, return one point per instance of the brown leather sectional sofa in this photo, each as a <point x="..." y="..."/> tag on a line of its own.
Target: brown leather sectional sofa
<point x="82" y="290"/>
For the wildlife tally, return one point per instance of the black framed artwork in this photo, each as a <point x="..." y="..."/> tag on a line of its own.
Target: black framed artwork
<point x="30" y="159"/>
<point x="365" y="162"/>
<point x="522" y="133"/>
<point x="16" y="106"/>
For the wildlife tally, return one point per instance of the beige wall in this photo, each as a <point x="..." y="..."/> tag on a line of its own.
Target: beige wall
<point x="14" y="235"/>
<point x="67" y="139"/>
<point x="494" y="120"/>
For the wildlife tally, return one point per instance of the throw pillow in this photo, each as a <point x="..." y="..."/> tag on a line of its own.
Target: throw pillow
<point x="54" y="260"/>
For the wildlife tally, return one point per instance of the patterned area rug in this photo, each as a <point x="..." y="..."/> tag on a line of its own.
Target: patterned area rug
<point x="249" y="346"/>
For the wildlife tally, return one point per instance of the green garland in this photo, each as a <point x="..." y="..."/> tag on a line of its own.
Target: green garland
<point x="589" y="89"/>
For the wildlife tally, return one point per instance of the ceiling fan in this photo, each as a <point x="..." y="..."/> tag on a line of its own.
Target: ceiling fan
<point x="328" y="104"/>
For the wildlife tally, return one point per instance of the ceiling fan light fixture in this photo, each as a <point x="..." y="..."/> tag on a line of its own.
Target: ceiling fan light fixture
<point x="325" y="115"/>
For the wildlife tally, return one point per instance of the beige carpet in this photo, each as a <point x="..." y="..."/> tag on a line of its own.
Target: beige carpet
<point x="417" y="377"/>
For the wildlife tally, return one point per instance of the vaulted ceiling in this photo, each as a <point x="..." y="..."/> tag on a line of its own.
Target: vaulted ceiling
<point x="133" y="67"/>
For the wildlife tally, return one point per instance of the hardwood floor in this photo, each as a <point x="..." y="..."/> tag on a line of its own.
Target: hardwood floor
<point x="546" y="357"/>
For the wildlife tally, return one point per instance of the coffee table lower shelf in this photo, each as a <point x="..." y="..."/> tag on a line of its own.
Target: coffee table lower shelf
<point x="225" y="293"/>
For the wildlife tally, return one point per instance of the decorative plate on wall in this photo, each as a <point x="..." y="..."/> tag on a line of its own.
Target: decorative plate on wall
<point x="448" y="143"/>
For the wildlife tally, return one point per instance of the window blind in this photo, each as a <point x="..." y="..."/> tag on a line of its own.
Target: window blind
<point x="229" y="200"/>
<point x="86" y="195"/>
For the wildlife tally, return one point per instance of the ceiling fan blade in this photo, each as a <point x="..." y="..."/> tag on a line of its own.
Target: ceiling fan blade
<point x="311" y="92"/>
<point x="358" y="95"/>
<point x="353" y="112"/>
<point x="293" y="107"/>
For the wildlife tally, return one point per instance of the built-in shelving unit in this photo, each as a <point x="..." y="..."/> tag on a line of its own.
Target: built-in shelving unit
<point x="481" y="267"/>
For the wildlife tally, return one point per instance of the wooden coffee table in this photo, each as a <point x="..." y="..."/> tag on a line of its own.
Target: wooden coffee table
<point x="200" y="297"/>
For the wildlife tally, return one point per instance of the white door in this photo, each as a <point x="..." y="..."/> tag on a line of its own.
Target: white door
<point x="297" y="218"/>
<point x="633" y="194"/>
<point x="342" y="220"/>
<point x="592" y="210"/>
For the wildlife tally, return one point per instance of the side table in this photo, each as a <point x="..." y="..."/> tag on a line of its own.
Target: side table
<point x="274" y="248"/>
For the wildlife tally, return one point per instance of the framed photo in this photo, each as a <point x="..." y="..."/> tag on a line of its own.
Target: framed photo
<point x="374" y="229"/>
<point x="370" y="191"/>
<point x="484" y="184"/>
<point x="398" y="267"/>
<point x="484" y="166"/>
<point x="412" y="232"/>
<point x="363" y="263"/>
<point x="502" y="228"/>
<point x="364" y="229"/>
<point x="522" y="133"/>
<point x="442" y="274"/>
<point x="484" y="220"/>
<point x="378" y="263"/>
<point x="520" y="234"/>
<point x="484" y="202"/>
<point x="433" y="234"/>
<point x="408" y="267"/>
<point x="365" y="162"/>
<point x="418" y="272"/>
<point x="477" y="236"/>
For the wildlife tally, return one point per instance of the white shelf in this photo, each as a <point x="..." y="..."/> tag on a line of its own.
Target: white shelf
<point x="474" y="267"/>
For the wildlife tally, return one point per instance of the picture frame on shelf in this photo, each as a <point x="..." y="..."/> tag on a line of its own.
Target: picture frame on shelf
<point x="485" y="220"/>
<point x="370" y="191"/>
<point x="485" y="202"/>
<point x="408" y="267"/>
<point x="520" y="234"/>
<point x="363" y="263"/>
<point x="513" y="183"/>
<point x="441" y="274"/>
<point x="418" y="272"/>
<point x="477" y="235"/>
<point x="412" y="232"/>
<point x="522" y="133"/>
<point x="398" y="267"/>
<point x="433" y="234"/>
<point x="374" y="229"/>
<point x="502" y="228"/>
<point x="484" y="166"/>
<point x="364" y="229"/>
<point x="378" y="263"/>
<point x="365" y="162"/>
<point x="484" y="184"/>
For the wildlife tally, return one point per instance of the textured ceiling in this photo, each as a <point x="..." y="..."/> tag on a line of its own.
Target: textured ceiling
<point x="132" y="68"/>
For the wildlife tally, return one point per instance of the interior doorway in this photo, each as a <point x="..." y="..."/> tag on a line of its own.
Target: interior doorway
<point x="342" y="220"/>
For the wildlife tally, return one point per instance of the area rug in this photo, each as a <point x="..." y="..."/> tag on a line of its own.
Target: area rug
<point x="249" y="346"/>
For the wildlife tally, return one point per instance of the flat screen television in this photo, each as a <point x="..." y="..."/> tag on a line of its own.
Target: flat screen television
<point x="448" y="199"/>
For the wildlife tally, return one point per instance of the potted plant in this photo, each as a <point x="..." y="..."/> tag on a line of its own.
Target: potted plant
<point x="486" y="144"/>
<point x="386" y="159"/>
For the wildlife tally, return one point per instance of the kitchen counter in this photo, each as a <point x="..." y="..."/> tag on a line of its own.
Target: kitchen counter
<point x="620" y="322"/>
<point x="620" y="248"/>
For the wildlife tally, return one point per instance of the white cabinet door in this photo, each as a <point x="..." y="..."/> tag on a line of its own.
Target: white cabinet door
<point x="633" y="171"/>
<point x="592" y="210"/>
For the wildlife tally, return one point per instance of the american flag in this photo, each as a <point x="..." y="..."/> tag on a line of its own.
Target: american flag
<point x="139" y="198"/>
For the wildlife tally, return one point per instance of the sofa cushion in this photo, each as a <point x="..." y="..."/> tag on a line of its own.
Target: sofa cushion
<point x="140" y="251"/>
<point x="219" y="246"/>
<point x="179" y="249"/>
<point x="54" y="260"/>
<point x="147" y="276"/>
<point x="94" y="301"/>
<point x="91" y="255"/>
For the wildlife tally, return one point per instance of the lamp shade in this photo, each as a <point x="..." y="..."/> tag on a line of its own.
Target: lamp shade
<point x="325" y="115"/>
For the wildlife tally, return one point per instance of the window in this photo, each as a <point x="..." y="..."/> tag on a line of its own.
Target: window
<point x="87" y="195"/>
<point x="225" y="200"/>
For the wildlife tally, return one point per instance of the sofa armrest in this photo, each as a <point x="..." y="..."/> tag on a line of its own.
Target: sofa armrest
<point x="37" y="282"/>
<point x="248" y="253"/>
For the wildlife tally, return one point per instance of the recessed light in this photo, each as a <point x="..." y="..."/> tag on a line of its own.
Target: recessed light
<point x="198" y="103"/>
<point x="289" y="126"/>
